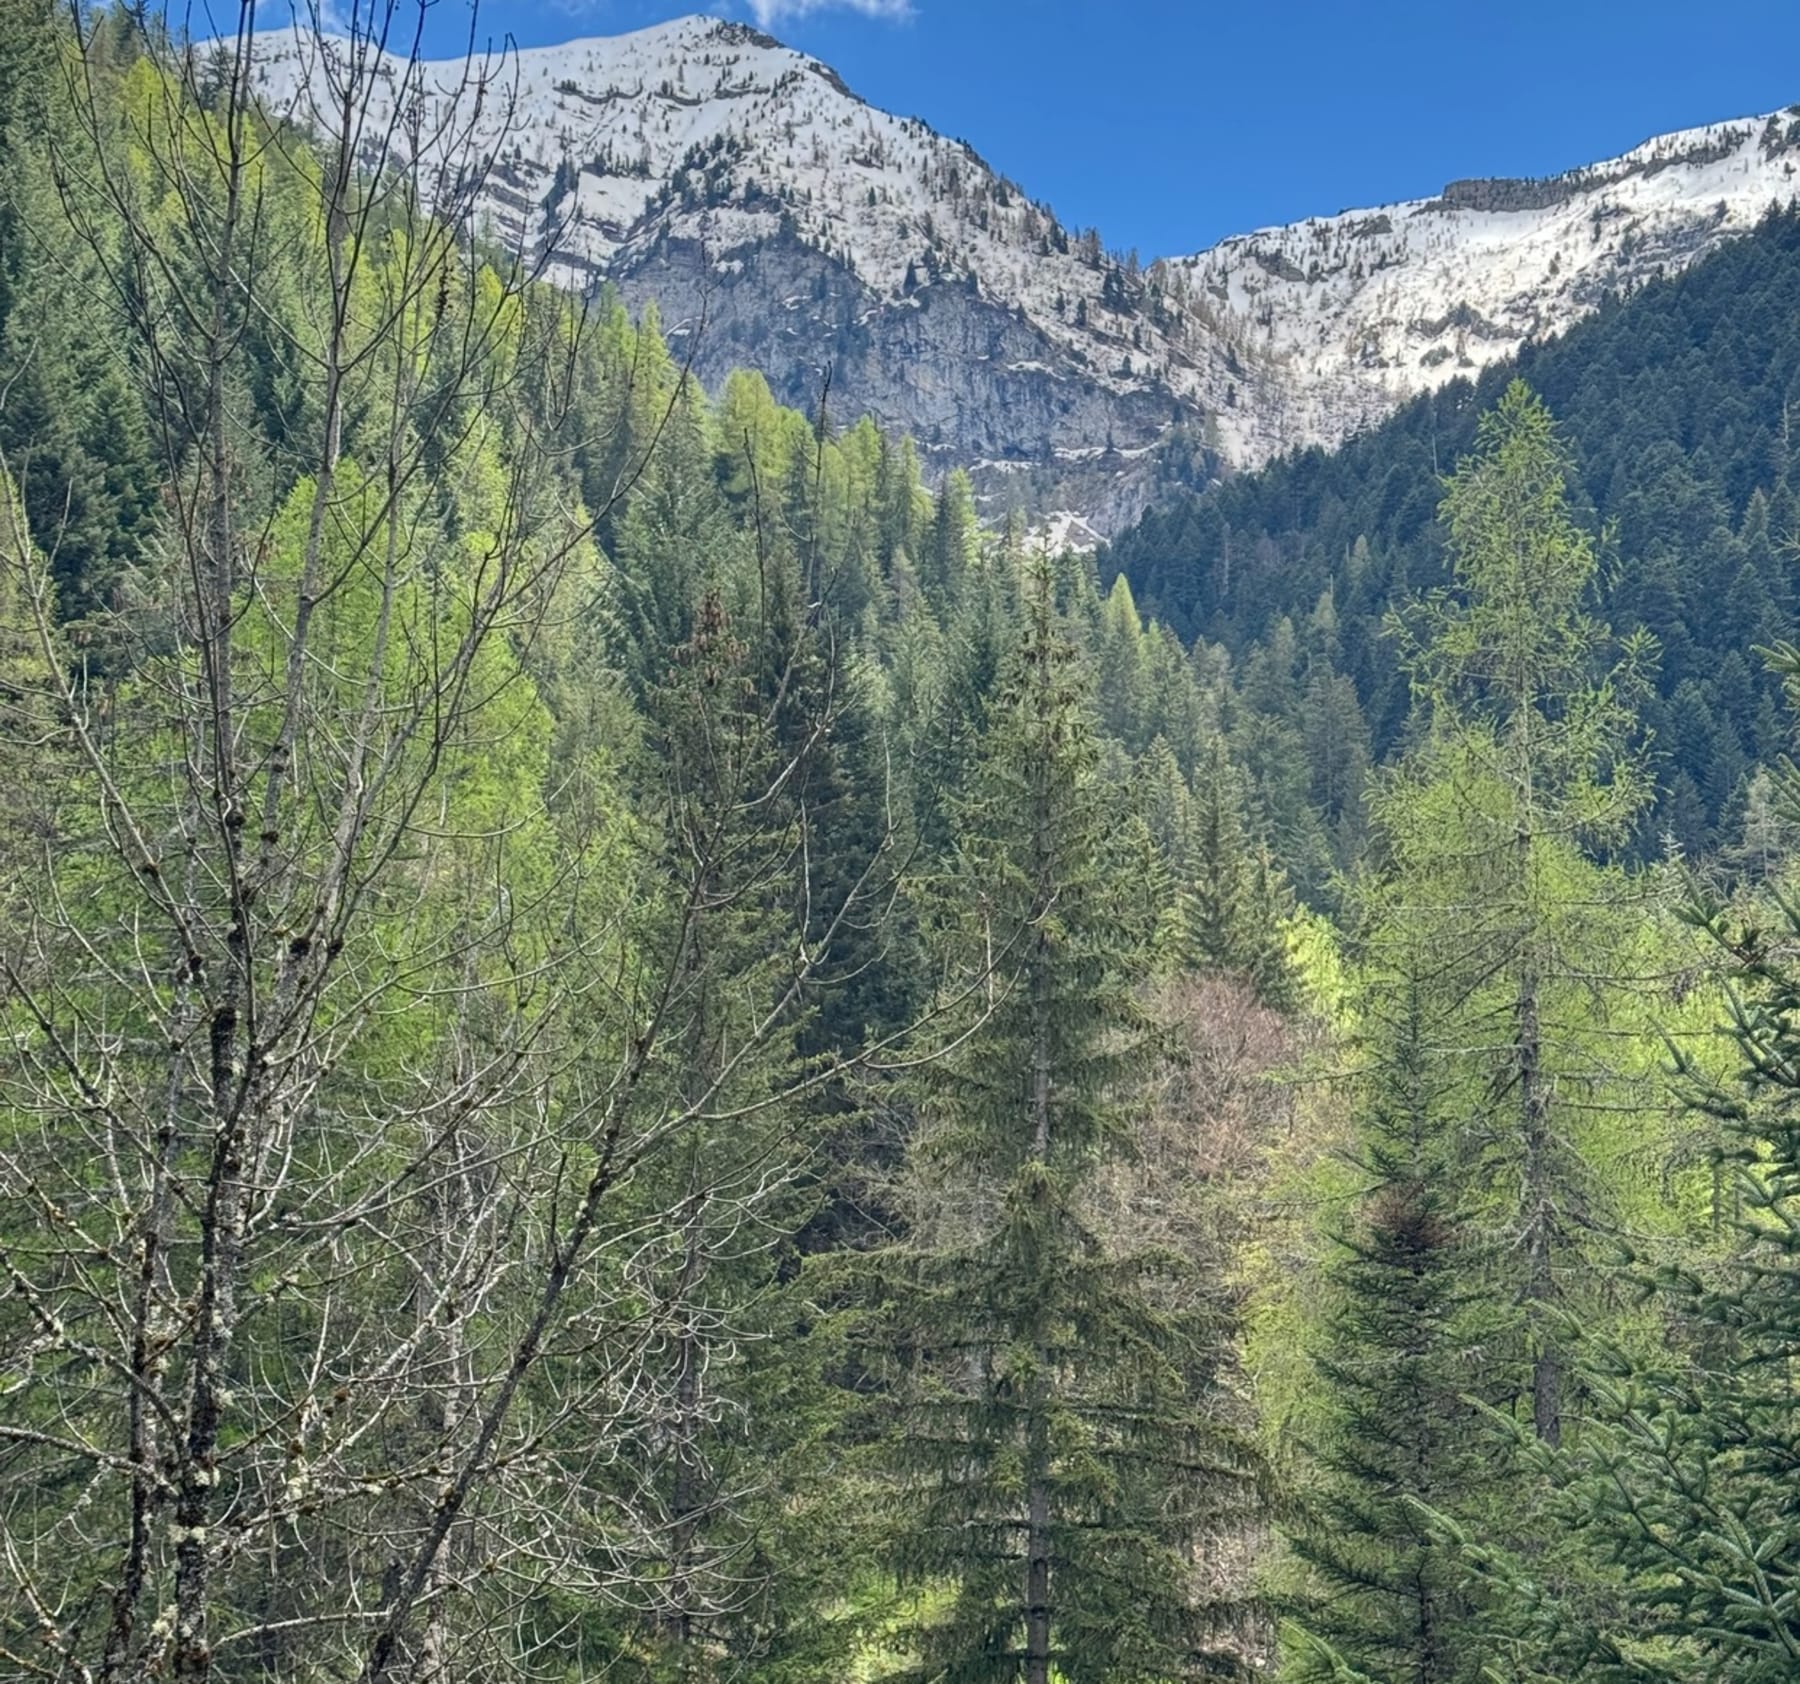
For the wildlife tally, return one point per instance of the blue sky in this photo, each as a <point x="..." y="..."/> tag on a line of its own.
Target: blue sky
<point x="1170" y="123"/>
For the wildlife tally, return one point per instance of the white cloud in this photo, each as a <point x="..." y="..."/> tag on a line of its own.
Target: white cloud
<point x="769" y="13"/>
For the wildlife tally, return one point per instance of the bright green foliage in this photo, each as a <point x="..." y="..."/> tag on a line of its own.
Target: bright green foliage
<point x="1064" y="1439"/>
<point x="1120" y="659"/>
<point x="1501" y="1128"/>
<point x="33" y="743"/>
<point x="1685" y="1487"/>
<point x="479" y="817"/>
<point x="1513" y="653"/>
<point x="448" y="1039"/>
<point x="1527" y="756"/>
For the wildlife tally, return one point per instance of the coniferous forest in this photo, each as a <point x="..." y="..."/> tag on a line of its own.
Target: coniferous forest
<point x="634" y="1045"/>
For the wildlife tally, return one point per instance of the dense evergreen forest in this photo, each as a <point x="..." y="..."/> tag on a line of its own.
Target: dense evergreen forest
<point x="1677" y="409"/>
<point x="632" y="1049"/>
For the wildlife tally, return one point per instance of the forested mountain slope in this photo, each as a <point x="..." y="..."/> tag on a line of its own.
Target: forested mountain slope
<point x="632" y="1049"/>
<point x="504" y="861"/>
<point x="1678" y="407"/>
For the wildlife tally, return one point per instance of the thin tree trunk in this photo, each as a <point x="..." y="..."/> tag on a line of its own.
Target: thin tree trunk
<point x="451" y="1219"/>
<point x="687" y="1496"/>
<point x="235" y="1095"/>
<point x="1540" y="1213"/>
<point x="1037" y="1528"/>
<point x="1037" y="1570"/>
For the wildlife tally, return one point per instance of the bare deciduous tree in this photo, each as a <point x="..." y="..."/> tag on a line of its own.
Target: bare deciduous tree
<point x="347" y="1029"/>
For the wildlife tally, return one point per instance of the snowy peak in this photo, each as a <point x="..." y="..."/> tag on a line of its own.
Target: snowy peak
<point x="586" y="137"/>
<point x="710" y="130"/>
<point x="1354" y="313"/>
<point x="741" y="185"/>
<point x="731" y="179"/>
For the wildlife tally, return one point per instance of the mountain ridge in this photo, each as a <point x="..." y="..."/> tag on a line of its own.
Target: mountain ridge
<point x="790" y="216"/>
<point x="782" y="223"/>
<point x="1372" y="306"/>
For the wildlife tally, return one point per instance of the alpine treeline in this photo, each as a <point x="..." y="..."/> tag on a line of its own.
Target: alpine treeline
<point x="631" y="1047"/>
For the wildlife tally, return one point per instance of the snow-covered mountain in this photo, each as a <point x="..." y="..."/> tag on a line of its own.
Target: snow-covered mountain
<point x="742" y="187"/>
<point x="734" y="182"/>
<point x="1349" y="315"/>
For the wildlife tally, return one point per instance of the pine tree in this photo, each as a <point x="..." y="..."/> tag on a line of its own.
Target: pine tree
<point x="73" y="436"/>
<point x="1336" y="735"/>
<point x="1492" y="948"/>
<point x="903" y="510"/>
<point x="1390" y="1599"/>
<point x="980" y="623"/>
<point x="1233" y="898"/>
<point x="1066" y="1442"/>
<point x="1269" y="741"/>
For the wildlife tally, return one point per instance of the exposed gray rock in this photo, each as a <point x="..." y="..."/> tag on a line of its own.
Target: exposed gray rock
<point x="741" y="185"/>
<point x="975" y="384"/>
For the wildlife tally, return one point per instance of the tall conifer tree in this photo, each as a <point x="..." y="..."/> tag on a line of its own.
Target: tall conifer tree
<point x="1528" y="761"/>
<point x="1067" y="1447"/>
<point x="1392" y="1600"/>
<point x="1232" y="898"/>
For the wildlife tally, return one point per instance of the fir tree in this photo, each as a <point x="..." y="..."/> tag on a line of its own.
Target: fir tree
<point x="950" y="549"/>
<point x="674" y="534"/>
<point x="1066" y="1441"/>
<point x="744" y="1411"/>
<point x="1390" y="1599"/>
<point x="1233" y="898"/>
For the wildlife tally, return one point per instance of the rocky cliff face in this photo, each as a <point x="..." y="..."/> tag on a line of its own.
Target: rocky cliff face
<point x="794" y="229"/>
<point x="970" y="379"/>
<point x="781" y="223"/>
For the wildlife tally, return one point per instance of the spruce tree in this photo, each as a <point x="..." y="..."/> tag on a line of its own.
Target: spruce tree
<point x="1685" y="1485"/>
<point x="740" y="1562"/>
<point x="954" y="539"/>
<point x="1389" y="1598"/>
<point x="980" y="622"/>
<point x="674" y="530"/>
<point x="1066" y="1444"/>
<point x="1233" y="897"/>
